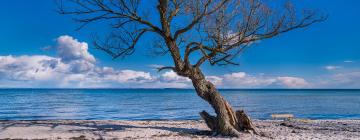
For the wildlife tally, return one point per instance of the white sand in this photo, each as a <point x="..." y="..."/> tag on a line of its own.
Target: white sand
<point x="71" y="129"/>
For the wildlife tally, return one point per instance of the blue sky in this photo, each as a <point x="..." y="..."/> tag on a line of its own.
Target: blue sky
<point x="325" y="55"/>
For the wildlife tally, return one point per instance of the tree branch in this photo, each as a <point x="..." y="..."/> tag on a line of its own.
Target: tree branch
<point x="166" y="68"/>
<point x="199" y="17"/>
<point x="94" y="7"/>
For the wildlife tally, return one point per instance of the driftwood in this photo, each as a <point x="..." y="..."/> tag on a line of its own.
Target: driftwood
<point x="282" y="116"/>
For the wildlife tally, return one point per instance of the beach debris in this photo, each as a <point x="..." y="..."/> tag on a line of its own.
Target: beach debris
<point x="81" y="137"/>
<point x="282" y="116"/>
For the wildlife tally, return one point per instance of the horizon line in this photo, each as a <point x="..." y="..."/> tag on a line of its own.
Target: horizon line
<point x="55" y="88"/>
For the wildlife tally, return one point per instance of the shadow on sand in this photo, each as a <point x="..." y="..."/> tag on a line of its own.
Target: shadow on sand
<point x="99" y="128"/>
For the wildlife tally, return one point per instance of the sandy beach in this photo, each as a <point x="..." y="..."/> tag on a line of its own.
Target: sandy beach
<point x="81" y="129"/>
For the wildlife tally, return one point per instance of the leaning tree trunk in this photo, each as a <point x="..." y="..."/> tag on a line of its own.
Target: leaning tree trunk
<point x="227" y="122"/>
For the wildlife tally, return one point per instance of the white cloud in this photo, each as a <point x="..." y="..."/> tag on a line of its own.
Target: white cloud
<point x="216" y="80"/>
<point x="70" y="49"/>
<point x="348" y="61"/>
<point x="36" y="67"/>
<point x="171" y="76"/>
<point x="243" y="80"/>
<point x="75" y="53"/>
<point x="348" y="79"/>
<point x="343" y="79"/>
<point x="235" y="75"/>
<point x="133" y="76"/>
<point x="74" y="66"/>
<point x="332" y="67"/>
<point x="239" y="80"/>
<point x="293" y="82"/>
<point x="155" y="66"/>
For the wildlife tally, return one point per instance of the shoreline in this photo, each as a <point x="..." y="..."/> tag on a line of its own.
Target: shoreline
<point x="173" y="129"/>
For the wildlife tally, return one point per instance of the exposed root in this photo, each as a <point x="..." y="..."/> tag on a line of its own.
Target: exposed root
<point x="245" y="123"/>
<point x="210" y="121"/>
<point x="225" y="128"/>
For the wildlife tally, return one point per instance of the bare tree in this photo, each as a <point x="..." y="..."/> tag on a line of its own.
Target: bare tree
<point x="193" y="32"/>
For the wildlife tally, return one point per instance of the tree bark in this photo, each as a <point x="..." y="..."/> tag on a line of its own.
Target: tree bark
<point x="227" y="122"/>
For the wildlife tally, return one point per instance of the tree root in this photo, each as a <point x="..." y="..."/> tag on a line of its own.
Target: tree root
<point x="245" y="123"/>
<point x="210" y="121"/>
<point x="242" y="123"/>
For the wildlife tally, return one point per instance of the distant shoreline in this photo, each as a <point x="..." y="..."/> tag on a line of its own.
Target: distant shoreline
<point x="269" y="119"/>
<point x="225" y="89"/>
<point x="185" y="129"/>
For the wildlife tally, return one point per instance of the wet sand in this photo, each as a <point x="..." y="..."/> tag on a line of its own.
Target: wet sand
<point x="107" y="129"/>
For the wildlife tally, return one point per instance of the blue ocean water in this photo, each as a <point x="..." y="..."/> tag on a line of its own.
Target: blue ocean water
<point x="175" y="104"/>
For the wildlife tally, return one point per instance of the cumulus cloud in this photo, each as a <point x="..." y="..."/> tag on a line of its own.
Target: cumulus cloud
<point x="75" y="53"/>
<point x="243" y="80"/>
<point x="37" y="67"/>
<point x="74" y="66"/>
<point x="130" y="76"/>
<point x="293" y="82"/>
<point x="70" y="49"/>
<point x="172" y="77"/>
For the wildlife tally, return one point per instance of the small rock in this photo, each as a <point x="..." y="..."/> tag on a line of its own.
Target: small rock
<point x="286" y="124"/>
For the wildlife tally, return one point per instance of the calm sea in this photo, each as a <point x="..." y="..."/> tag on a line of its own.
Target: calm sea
<point x="176" y="104"/>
